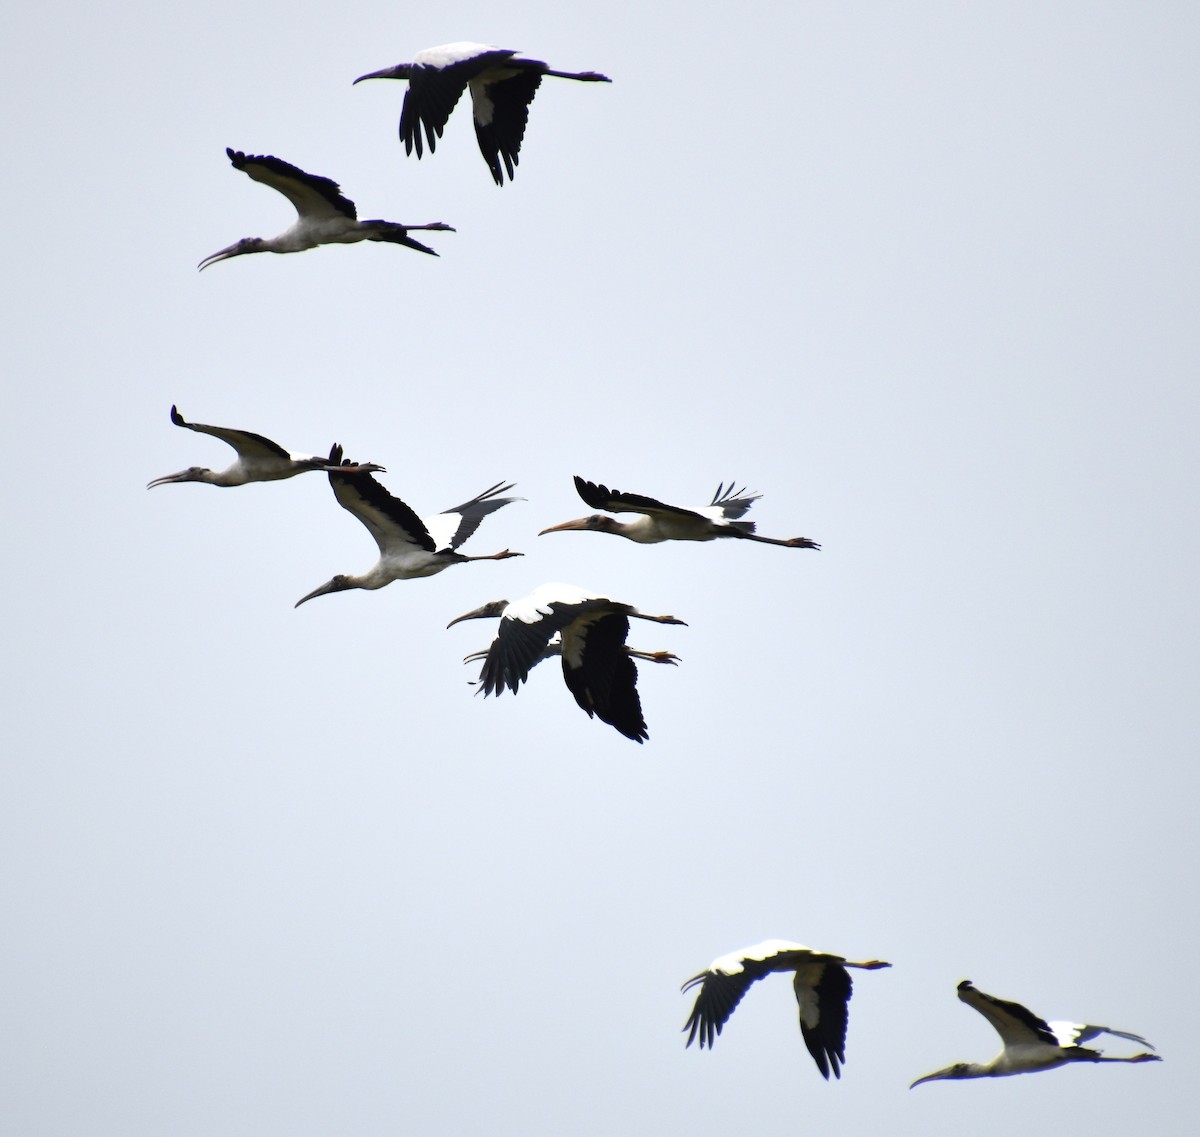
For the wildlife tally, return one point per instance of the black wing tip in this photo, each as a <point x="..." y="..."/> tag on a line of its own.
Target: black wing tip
<point x="176" y="417"/>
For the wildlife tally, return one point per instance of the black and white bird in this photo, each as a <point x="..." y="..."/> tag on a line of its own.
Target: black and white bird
<point x="502" y="87"/>
<point x="821" y="981"/>
<point x="597" y="669"/>
<point x="408" y="546"/>
<point x="1031" y="1043"/>
<point x="661" y="522"/>
<point x="324" y="216"/>
<point x="258" y="459"/>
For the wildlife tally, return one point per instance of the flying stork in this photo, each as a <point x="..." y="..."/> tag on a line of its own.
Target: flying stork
<point x="325" y="217"/>
<point x="821" y="981"/>
<point x="1031" y="1043"/>
<point x="661" y="522"/>
<point x="408" y="546"/>
<point x="597" y="669"/>
<point x="258" y="459"/>
<point x="502" y="87"/>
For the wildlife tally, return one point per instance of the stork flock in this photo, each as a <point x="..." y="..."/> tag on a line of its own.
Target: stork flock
<point x="586" y="630"/>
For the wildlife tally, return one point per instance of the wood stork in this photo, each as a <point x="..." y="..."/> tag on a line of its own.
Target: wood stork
<point x="258" y="459"/>
<point x="661" y="522"/>
<point x="502" y="87"/>
<point x="597" y="669"/>
<point x="325" y="217"/>
<point x="1031" y="1043"/>
<point x="408" y="546"/>
<point x="821" y="982"/>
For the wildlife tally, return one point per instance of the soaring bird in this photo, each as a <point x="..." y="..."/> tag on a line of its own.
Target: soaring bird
<point x="661" y="522"/>
<point x="258" y="459"/>
<point x="324" y="216"/>
<point x="822" y="986"/>
<point x="1031" y="1043"/>
<point x="597" y="669"/>
<point x="502" y="87"/>
<point x="408" y="546"/>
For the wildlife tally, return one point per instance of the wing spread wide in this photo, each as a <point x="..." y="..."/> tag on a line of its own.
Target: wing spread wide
<point x="390" y="521"/>
<point x="613" y="501"/>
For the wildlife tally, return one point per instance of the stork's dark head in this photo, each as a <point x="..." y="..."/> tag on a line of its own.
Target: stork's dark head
<point x="338" y="584"/>
<point x="597" y="523"/>
<point x="490" y="610"/>
<point x="191" y="474"/>
<point x="245" y="245"/>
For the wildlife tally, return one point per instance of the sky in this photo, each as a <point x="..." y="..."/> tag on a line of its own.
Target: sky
<point x="924" y="275"/>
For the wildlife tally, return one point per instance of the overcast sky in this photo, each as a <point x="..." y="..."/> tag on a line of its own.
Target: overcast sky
<point x="923" y="274"/>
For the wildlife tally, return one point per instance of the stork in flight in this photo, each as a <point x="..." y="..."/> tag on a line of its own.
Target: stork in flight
<point x="408" y="546"/>
<point x="821" y="982"/>
<point x="324" y="216"/>
<point x="502" y="87"/>
<point x="1031" y="1043"/>
<point x="258" y="459"/>
<point x="597" y="668"/>
<point x="661" y="522"/>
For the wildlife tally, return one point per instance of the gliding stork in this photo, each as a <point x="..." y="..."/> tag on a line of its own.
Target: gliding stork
<point x="821" y="982"/>
<point x="258" y="459"/>
<point x="408" y="546"/>
<point x="598" y="670"/>
<point x="661" y="522"/>
<point x="325" y="217"/>
<point x="1031" y="1043"/>
<point x="502" y="87"/>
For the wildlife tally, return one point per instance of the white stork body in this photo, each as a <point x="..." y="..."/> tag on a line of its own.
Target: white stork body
<point x="409" y="547"/>
<point x="661" y="522"/>
<point x="502" y="86"/>
<point x="1031" y="1043"/>
<point x="258" y="459"/>
<point x="821" y="982"/>
<point x="324" y="216"/>
<point x="597" y="669"/>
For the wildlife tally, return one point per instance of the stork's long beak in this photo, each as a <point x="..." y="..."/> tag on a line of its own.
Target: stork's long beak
<point x="400" y="71"/>
<point x="479" y="613"/>
<point x="333" y="585"/>
<point x="167" y="479"/>
<point x="223" y="255"/>
<point x="580" y="523"/>
<point x="936" y="1076"/>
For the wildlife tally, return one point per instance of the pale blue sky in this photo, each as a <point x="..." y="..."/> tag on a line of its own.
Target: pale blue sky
<point x="925" y="275"/>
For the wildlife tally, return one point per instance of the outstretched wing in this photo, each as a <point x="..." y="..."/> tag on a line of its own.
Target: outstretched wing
<point x="1016" y="1025"/>
<point x="500" y="108"/>
<point x="1073" y="1034"/>
<point x="733" y="502"/>
<point x="727" y="979"/>
<point x="436" y="83"/>
<point x="601" y="675"/>
<point x="247" y="445"/>
<point x="392" y="523"/>
<point x="613" y="501"/>
<point x="313" y="196"/>
<point x="453" y="526"/>
<point x="823" y="990"/>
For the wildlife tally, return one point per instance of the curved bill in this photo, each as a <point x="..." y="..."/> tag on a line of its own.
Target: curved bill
<point x="329" y="586"/>
<point x="492" y="608"/>
<point x="168" y="479"/>
<point x="223" y="255"/>
<point x="400" y="71"/>
<point x="580" y="523"/>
